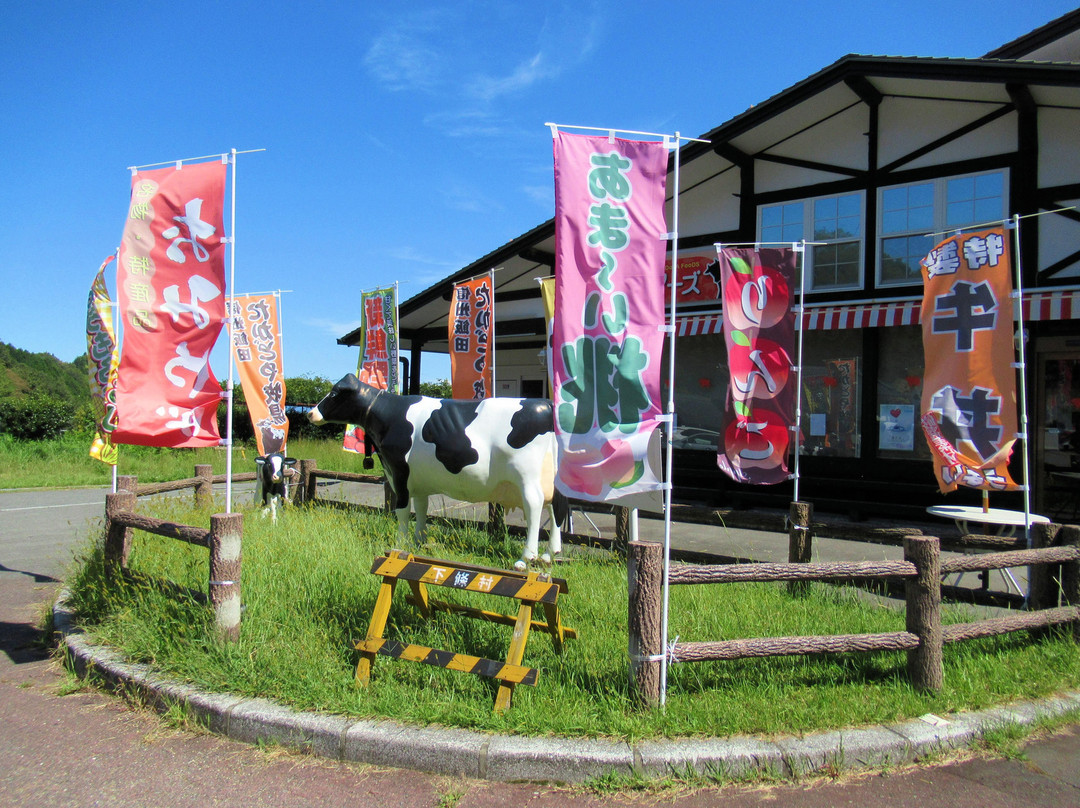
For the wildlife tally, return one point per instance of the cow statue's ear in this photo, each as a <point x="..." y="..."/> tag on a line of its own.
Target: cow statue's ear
<point x="290" y="461"/>
<point x="260" y="461"/>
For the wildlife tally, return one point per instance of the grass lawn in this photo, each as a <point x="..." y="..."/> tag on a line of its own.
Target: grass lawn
<point x="308" y="597"/>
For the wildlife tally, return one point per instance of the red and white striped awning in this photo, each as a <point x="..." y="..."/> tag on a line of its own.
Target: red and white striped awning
<point x="1053" y="305"/>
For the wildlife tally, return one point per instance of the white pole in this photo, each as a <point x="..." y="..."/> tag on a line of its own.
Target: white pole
<point x="1021" y="365"/>
<point x="670" y="412"/>
<point x="281" y="363"/>
<point x="117" y="320"/>
<point x="229" y="385"/>
<point x="801" y="248"/>
<point x="491" y="342"/>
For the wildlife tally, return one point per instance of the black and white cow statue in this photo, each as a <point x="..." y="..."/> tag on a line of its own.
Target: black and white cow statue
<point x="270" y="472"/>
<point x="499" y="450"/>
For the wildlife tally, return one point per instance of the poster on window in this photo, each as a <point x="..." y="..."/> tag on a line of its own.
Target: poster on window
<point x="969" y="400"/>
<point x="896" y="427"/>
<point x="606" y="335"/>
<point x="171" y="289"/>
<point x="378" y="362"/>
<point x="256" y="337"/>
<point x="471" y="333"/>
<point x="759" y="332"/>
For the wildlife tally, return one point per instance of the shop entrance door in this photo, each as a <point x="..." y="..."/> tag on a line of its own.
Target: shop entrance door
<point x="1057" y="448"/>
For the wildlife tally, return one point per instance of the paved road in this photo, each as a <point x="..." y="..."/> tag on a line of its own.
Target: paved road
<point x="66" y="745"/>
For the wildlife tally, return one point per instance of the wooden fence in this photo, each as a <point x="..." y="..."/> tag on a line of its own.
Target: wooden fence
<point x="921" y="571"/>
<point x="223" y="540"/>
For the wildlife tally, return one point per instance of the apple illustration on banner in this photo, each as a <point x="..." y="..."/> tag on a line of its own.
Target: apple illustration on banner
<point x="755" y="296"/>
<point x="756" y="439"/>
<point x="759" y="369"/>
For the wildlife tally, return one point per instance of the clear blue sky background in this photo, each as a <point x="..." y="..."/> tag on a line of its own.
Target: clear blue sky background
<point x="403" y="141"/>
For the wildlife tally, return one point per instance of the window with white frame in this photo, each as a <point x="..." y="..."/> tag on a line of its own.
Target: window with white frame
<point x="909" y="214"/>
<point x="834" y="224"/>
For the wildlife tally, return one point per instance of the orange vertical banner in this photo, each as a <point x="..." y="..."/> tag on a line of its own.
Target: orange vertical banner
<point x="256" y="330"/>
<point x="471" y="332"/>
<point x="969" y="407"/>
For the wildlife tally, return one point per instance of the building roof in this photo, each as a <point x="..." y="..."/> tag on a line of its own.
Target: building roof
<point x="777" y="127"/>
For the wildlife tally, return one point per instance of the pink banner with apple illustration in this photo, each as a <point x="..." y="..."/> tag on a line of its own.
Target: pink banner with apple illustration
<point x="759" y="329"/>
<point x="606" y="345"/>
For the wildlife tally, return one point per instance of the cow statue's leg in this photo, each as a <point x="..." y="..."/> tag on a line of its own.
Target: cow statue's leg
<point x="554" y="537"/>
<point x="533" y="506"/>
<point x="403" y="523"/>
<point x="420" y="505"/>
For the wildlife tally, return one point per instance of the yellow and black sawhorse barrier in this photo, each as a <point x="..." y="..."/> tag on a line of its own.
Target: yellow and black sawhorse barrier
<point x="532" y="589"/>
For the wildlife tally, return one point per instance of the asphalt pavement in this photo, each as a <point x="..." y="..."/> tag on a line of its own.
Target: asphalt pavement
<point x="66" y="744"/>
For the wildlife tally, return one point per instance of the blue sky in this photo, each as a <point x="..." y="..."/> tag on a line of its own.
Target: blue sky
<point x="403" y="141"/>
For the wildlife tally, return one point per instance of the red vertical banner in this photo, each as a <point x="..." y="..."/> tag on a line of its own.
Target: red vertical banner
<point x="969" y="407"/>
<point x="759" y="329"/>
<point x="607" y="337"/>
<point x="172" y="304"/>
<point x="378" y="363"/>
<point x="256" y="336"/>
<point x="471" y="333"/>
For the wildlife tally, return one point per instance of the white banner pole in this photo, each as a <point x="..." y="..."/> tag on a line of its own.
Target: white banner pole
<point x="281" y="364"/>
<point x="1021" y="366"/>
<point x="801" y="249"/>
<point x="491" y="333"/>
<point x="670" y="412"/>
<point x="232" y="303"/>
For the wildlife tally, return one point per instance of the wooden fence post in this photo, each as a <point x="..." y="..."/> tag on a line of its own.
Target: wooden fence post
<point x="306" y="490"/>
<point x="226" y="533"/>
<point x="622" y="531"/>
<point x="127" y="482"/>
<point x="800" y="541"/>
<point x="117" y="537"/>
<point x="924" y="663"/>
<point x="496" y="520"/>
<point x="1042" y="580"/>
<point x="1069" y="536"/>
<point x="204" y="488"/>
<point x="644" y="573"/>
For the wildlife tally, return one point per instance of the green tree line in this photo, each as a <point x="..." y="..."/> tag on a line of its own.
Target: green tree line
<point x="42" y="397"/>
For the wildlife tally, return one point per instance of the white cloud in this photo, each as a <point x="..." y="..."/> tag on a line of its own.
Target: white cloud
<point x="335" y="328"/>
<point x="526" y="74"/>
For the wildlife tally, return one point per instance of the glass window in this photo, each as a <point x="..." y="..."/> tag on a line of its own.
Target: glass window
<point x="701" y="379"/>
<point x="909" y="213"/>
<point x="834" y="220"/>
<point x="831" y="390"/>
<point x="899" y="393"/>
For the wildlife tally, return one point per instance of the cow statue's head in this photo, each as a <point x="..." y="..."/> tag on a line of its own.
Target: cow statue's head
<point x="347" y="403"/>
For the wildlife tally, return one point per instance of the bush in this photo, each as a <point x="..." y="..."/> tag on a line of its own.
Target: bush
<point x="35" y="417"/>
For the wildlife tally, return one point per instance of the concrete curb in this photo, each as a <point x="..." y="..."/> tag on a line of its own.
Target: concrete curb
<point x="516" y="758"/>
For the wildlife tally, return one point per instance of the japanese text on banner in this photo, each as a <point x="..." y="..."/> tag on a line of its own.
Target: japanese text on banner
<point x="256" y="335"/>
<point x="607" y="341"/>
<point x="378" y="362"/>
<point x="759" y="332"/>
<point x="471" y="327"/>
<point x="171" y="283"/>
<point x="103" y="354"/>
<point x="969" y="407"/>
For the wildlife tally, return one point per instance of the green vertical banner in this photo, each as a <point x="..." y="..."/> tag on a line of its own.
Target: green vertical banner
<point x="378" y="363"/>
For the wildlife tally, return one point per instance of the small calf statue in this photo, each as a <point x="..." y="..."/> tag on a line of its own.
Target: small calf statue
<point x="499" y="450"/>
<point x="270" y="481"/>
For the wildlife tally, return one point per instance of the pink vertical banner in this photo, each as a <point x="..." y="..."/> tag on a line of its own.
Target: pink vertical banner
<point x="759" y="329"/>
<point x="171" y="283"/>
<point x="610" y="243"/>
